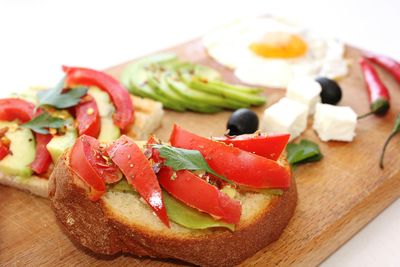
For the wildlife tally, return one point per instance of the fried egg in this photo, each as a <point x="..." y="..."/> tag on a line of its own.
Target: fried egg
<point x="271" y="52"/>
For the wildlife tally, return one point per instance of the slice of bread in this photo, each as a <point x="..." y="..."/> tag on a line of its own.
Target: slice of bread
<point x="148" y="116"/>
<point x="122" y="222"/>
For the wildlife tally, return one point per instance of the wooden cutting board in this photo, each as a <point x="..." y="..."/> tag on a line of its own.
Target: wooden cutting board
<point x="337" y="196"/>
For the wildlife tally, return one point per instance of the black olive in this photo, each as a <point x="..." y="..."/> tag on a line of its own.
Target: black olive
<point x="331" y="92"/>
<point x="242" y="121"/>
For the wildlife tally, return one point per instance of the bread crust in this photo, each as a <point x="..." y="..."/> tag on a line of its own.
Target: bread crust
<point x="98" y="229"/>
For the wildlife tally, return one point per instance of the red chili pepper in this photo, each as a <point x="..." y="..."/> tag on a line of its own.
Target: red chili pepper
<point x="42" y="157"/>
<point x="239" y="166"/>
<point x="124" y="114"/>
<point x="377" y="92"/>
<point x="269" y="146"/>
<point x="197" y="193"/>
<point x="88" y="117"/>
<point x="389" y="64"/>
<point x="139" y="173"/>
<point x="15" y="108"/>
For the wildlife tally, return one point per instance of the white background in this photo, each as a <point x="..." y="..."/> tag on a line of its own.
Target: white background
<point x="36" y="37"/>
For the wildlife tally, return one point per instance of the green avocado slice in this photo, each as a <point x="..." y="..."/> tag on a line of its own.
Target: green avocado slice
<point x="22" y="148"/>
<point x="108" y="130"/>
<point x="189" y="217"/>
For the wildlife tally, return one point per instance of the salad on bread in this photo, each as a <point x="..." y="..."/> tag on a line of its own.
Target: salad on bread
<point x="192" y="181"/>
<point x="38" y="125"/>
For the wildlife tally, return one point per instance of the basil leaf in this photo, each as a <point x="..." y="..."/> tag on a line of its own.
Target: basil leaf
<point x="56" y="98"/>
<point x="305" y="151"/>
<point x="185" y="159"/>
<point x="40" y="123"/>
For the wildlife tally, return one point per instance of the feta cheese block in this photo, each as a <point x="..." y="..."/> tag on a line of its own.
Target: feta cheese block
<point x="335" y="122"/>
<point x="286" y="116"/>
<point x="305" y="90"/>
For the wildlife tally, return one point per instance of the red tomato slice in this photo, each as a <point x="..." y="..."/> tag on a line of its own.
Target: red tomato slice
<point x="42" y="157"/>
<point x="269" y="146"/>
<point x="3" y="151"/>
<point x="15" y="108"/>
<point x="82" y="161"/>
<point x="124" y="114"/>
<point x="239" y="166"/>
<point x="87" y="115"/>
<point x="137" y="170"/>
<point x="199" y="194"/>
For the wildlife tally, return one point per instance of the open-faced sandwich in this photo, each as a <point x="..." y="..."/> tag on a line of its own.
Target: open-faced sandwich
<point x="38" y="125"/>
<point x="210" y="202"/>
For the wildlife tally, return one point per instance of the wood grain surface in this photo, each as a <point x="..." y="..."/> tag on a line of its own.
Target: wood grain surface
<point x="337" y="196"/>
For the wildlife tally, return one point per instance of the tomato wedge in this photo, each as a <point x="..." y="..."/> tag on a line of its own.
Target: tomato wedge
<point x="15" y="108"/>
<point x="239" y="166"/>
<point x="42" y="157"/>
<point x="88" y="117"/>
<point x="268" y="146"/>
<point x="139" y="173"/>
<point x="82" y="160"/>
<point x="197" y="193"/>
<point x="124" y="114"/>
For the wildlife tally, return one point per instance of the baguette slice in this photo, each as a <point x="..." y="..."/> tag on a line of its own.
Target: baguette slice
<point x="148" y="116"/>
<point x="121" y="222"/>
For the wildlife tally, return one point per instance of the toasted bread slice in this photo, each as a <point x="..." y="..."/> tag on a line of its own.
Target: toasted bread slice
<point x="121" y="222"/>
<point x="148" y="116"/>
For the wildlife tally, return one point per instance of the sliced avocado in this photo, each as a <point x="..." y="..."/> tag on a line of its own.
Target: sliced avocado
<point x="135" y="78"/>
<point x="108" y="130"/>
<point x="200" y="71"/>
<point x="122" y="186"/>
<point x="188" y="217"/>
<point x="58" y="144"/>
<point x="163" y="58"/>
<point x="22" y="149"/>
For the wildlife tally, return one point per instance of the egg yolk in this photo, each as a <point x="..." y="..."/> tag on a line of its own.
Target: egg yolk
<point x="279" y="45"/>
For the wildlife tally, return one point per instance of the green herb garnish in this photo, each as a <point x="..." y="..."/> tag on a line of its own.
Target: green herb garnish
<point x="185" y="159"/>
<point x="395" y="130"/>
<point x="303" y="152"/>
<point x="57" y="98"/>
<point x="40" y="123"/>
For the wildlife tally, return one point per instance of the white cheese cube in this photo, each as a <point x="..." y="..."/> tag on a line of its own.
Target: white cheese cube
<point x="286" y="116"/>
<point x="305" y="90"/>
<point x="335" y="122"/>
